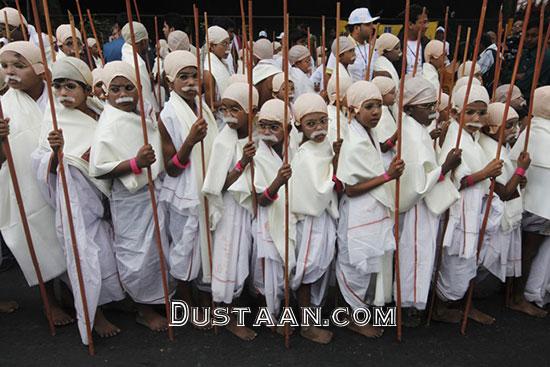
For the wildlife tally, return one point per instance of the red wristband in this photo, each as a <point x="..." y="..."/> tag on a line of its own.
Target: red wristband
<point x="134" y="166"/>
<point x="239" y="167"/>
<point x="520" y="172"/>
<point x="389" y="143"/>
<point x="469" y="181"/>
<point x="441" y="177"/>
<point x="338" y="186"/>
<point x="386" y="177"/>
<point x="269" y="197"/>
<point x="178" y="164"/>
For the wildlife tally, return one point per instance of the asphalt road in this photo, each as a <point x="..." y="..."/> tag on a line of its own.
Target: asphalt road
<point x="515" y="340"/>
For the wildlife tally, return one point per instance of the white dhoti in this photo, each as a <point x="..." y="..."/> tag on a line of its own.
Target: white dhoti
<point x="537" y="288"/>
<point x="315" y="248"/>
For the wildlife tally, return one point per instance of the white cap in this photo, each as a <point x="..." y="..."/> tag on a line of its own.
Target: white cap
<point x="361" y="16"/>
<point x="440" y="28"/>
<point x="262" y="34"/>
<point x="280" y="36"/>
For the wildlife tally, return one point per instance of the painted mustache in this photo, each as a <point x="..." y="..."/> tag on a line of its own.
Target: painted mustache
<point x="69" y="99"/>
<point x="15" y="78"/>
<point x="432" y="116"/>
<point x="230" y="120"/>
<point x="315" y="134"/>
<point x="190" y="89"/>
<point x="265" y="138"/>
<point x="124" y="100"/>
<point x="475" y="124"/>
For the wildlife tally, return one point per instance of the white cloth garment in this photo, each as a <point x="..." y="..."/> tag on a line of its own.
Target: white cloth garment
<point x="385" y="129"/>
<point x="536" y="198"/>
<point x="302" y="83"/>
<point x="231" y="222"/>
<point x="430" y="73"/>
<point x="146" y="87"/>
<point x="357" y="70"/>
<point x="333" y="124"/>
<point x="537" y="288"/>
<point x="412" y="56"/>
<point x="182" y="194"/>
<point x="220" y="71"/>
<point x="365" y="236"/>
<point x="25" y="121"/>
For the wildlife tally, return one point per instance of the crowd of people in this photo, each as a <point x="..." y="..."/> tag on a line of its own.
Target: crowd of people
<point x="221" y="187"/>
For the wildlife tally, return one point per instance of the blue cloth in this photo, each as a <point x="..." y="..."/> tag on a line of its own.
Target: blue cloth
<point x="112" y="51"/>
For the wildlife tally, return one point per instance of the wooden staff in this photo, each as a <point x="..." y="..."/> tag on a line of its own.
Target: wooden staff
<point x="26" y="229"/>
<point x="84" y="35"/>
<point x="250" y="94"/>
<point x="372" y="41"/>
<point x="323" y="53"/>
<point x="150" y="183"/>
<point x="337" y="72"/>
<point x="137" y="11"/>
<point x="244" y="39"/>
<point x="309" y="41"/>
<point x="203" y="161"/>
<point x="398" y="181"/>
<point x="418" y="39"/>
<point x="73" y="36"/>
<point x="90" y="19"/>
<point x="8" y="35"/>
<point x="499" y="147"/>
<point x="61" y="169"/>
<point x="157" y="45"/>
<point x="498" y="58"/>
<point x="472" y="70"/>
<point x="440" y="246"/>
<point x="209" y="59"/>
<point x="446" y="23"/>
<point x="538" y="66"/>
<point x="285" y="161"/>
<point x="24" y="29"/>
<point x="466" y="46"/>
<point x="49" y="28"/>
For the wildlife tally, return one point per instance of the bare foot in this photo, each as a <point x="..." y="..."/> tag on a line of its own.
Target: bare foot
<point x="367" y="330"/>
<point x="316" y="334"/>
<point x="242" y="332"/>
<point x="103" y="327"/>
<point x="150" y="318"/>
<point x="447" y="315"/>
<point x="59" y="316"/>
<point x="481" y="317"/>
<point x="8" y="306"/>
<point x="527" y="308"/>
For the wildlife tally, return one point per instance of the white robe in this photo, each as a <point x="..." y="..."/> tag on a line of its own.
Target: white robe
<point x="459" y="261"/>
<point x="25" y="121"/>
<point x="220" y="72"/>
<point x="332" y="124"/>
<point x="385" y="129"/>
<point x="118" y="137"/>
<point x="429" y="72"/>
<point x="501" y="252"/>
<point x="268" y="251"/>
<point x="537" y="288"/>
<point x="383" y="64"/>
<point x="302" y="83"/>
<point x="315" y="204"/>
<point x="94" y="232"/>
<point x="365" y="228"/>
<point x="189" y="254"/>
<point x="231" y="222"/>
<point x="146" y="87"/>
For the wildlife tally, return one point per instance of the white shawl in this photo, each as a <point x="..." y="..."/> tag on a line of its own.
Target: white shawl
<point x="146" y="88"/>
<point x="429" y="72"/>
<point x="220" y="71"/>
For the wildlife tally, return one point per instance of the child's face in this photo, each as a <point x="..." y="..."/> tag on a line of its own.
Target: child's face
<point x="68" y="46"/>
<point x="19" y="72"/>
<point x="394" y="54"/>
<point x="281" y="93"/>
<point x="98" y="91"/>
<point x="123" y="94"/>
<point x="70" y="93"/>
<point x="474" y="116"/>
<point x="369" y="113"/>
<point x="348" y="57"/>
<point x="221" y="50"/>
<point x="234" y="115"/>
<point x="271" y="132"/>
<point x="438" y="62"/>
<point x="388" y="99"/>
<point x="423" y="113"/>
<point x="304" y="65"/>
<point x="186" y="83"/>
<point x="314" y="126"/>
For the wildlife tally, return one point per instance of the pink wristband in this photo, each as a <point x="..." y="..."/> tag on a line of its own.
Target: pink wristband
<point x="269" y="197"/>
<point x="520" y="172"/>
<point x="239" y="167"/>
<point x="338" y="186"/>
<point x="469" y="181"/>
<point x="134" y="166"/>
<point x="386" y="177"/>
<point x="389" y="143"/>
<point x="441" y="177"/>
<point x="178" y="164"/>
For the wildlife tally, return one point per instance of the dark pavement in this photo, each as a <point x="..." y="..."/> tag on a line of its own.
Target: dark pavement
<point x="515" y="340"/>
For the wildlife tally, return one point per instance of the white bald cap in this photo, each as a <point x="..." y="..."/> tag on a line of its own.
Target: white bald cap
<point x="478" y="93"/>
<point x="28" y="51"/>
<point x="139" y="30"/>
<point x="177" y="60"/>
<point x="63" y="33"/>
<point x="118" y="68"/>
<point x="308" y="103"/>
<point x="217" y="35"/>
<point x="297" y="53"/>
<point x="362" y="91"/>
<point x="238" y="92"/>
<point x="178" y="40"/>
<point x="386" y="42"/>
<point x="418" y="90"/>
<point x="72" y="68"/>
<point x="273" y="110"/>
<point x="345" y="45"/>
<point x="263" y="49"/>
<point x="541" y="102"/>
